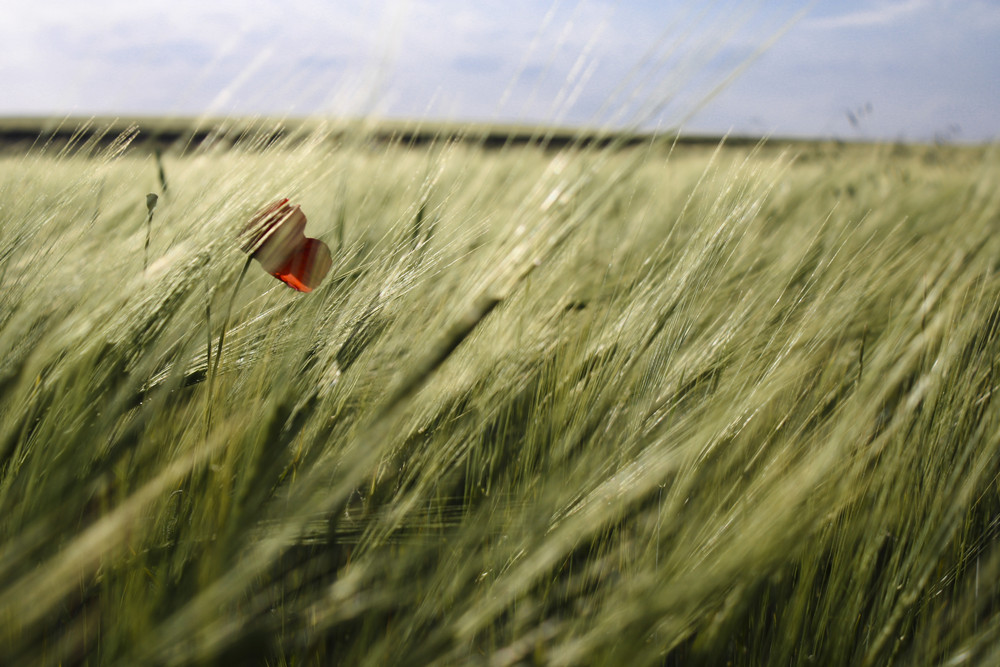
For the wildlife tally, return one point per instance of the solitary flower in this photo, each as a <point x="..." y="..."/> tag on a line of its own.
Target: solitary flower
<point x="276" y="238"/>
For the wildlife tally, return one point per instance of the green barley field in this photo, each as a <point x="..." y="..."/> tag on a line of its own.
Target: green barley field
<point x="632" y="402"/>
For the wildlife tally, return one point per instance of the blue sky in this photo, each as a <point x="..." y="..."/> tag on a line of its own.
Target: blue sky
<point x="889" y="69"/>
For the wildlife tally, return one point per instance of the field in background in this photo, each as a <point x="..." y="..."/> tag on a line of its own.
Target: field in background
<point x="622" y="403"/>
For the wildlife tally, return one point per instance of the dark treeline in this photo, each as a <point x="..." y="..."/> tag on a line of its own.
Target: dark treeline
<point x="19" y="135"/>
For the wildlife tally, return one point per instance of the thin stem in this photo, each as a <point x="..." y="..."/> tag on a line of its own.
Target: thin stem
<point x="208" y="365"/>
<point x="159" y="166"/>
<point x="229" y="311"/>
<point x="861" y="354"/>
<point x="149" y="232"/>
<point x="211" y="370"/>
<point x="150" y="207"/>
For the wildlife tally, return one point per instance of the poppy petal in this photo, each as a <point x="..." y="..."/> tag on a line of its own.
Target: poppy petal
<point x="275" y="224"/>
<point x="276" y="238"/>
<point x="305" y="267"/>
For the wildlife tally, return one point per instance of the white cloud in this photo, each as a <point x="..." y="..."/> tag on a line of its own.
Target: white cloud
<point x="518" y="60"/>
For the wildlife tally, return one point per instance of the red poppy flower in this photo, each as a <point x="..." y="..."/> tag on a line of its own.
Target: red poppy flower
<point x="276" y="238"/>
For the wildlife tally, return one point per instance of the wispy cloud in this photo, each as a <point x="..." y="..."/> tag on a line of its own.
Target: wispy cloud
<point x="885" y="13"/>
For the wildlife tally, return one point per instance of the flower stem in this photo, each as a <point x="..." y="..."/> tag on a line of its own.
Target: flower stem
<point x="150" y="207"/>
<point x="213" y="371"/>
<point x="149" y="232"/>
